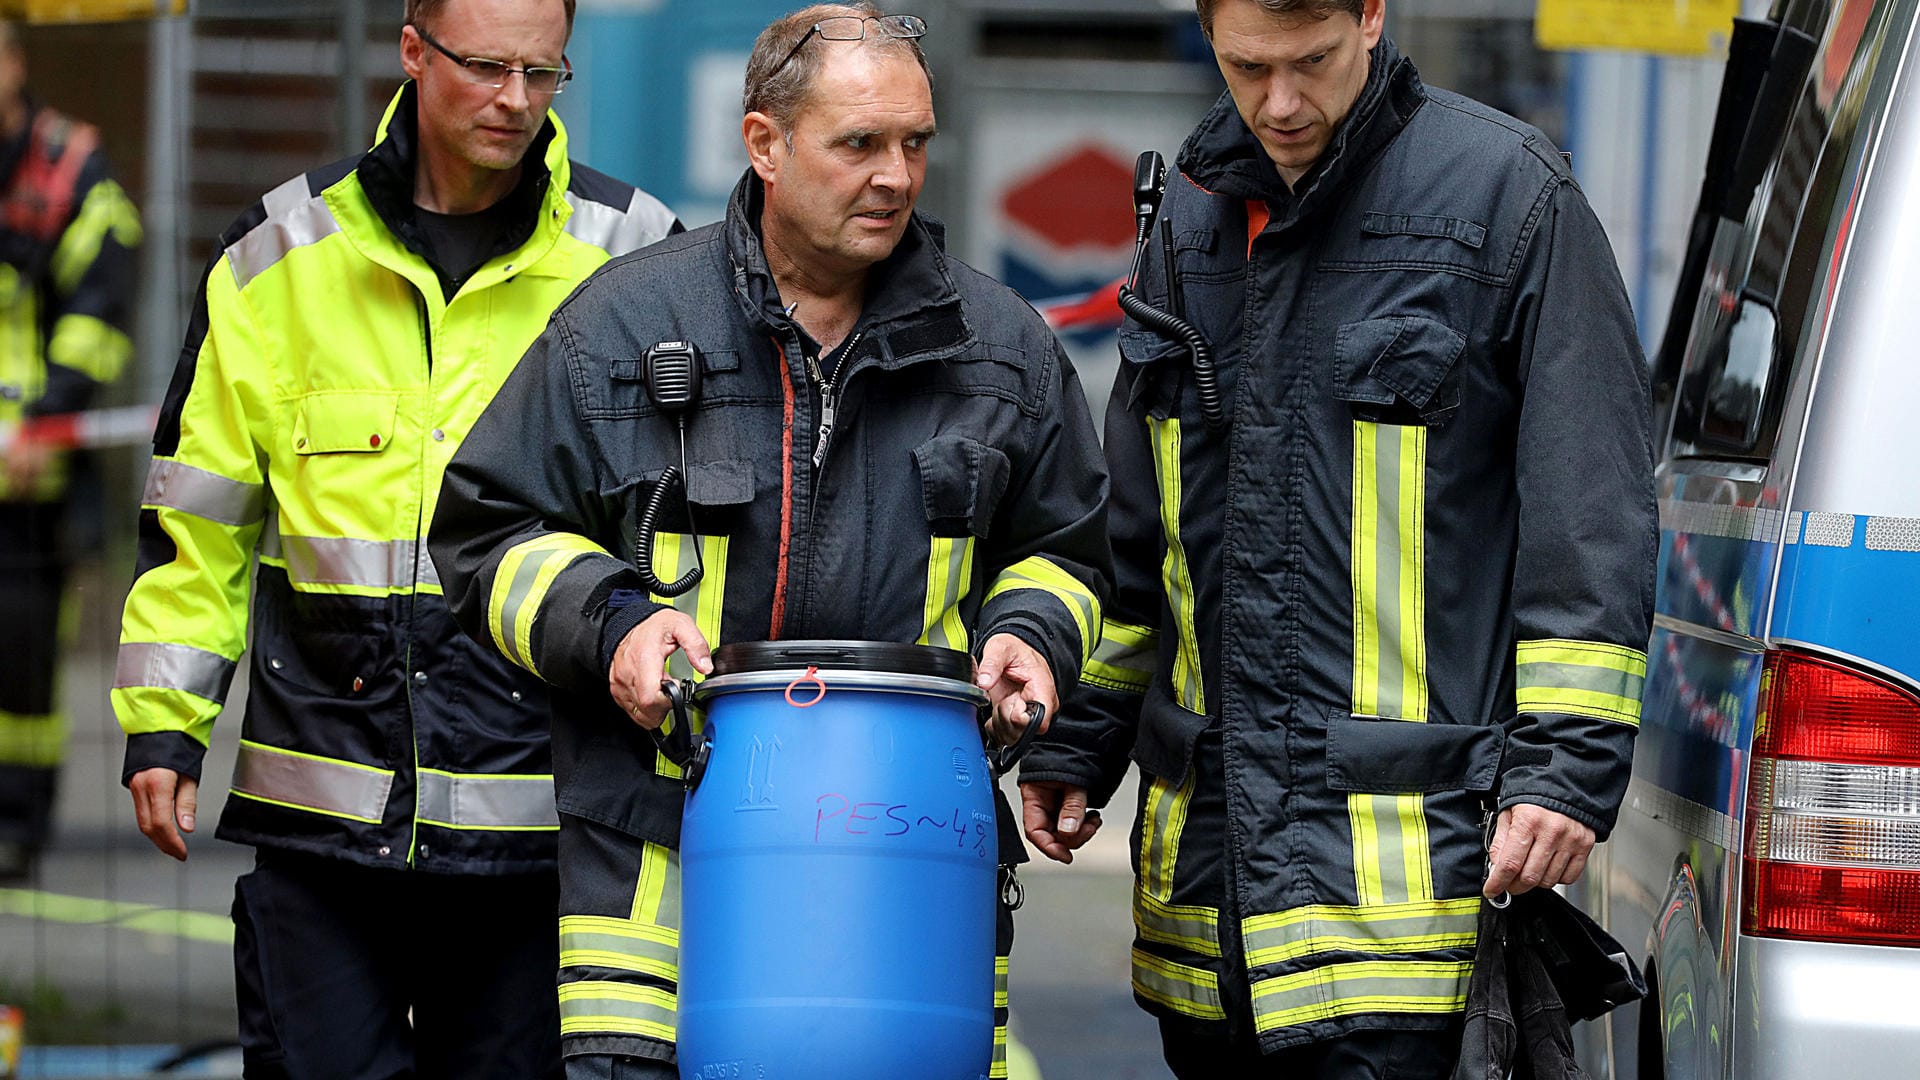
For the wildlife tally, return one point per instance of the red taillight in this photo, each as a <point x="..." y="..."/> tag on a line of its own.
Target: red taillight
<point x="1833" y="807"/>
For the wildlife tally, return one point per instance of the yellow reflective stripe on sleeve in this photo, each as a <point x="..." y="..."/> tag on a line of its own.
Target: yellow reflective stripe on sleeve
<point x="1392" y="861"/>
<point x="106" y="211"/>
<point x="1042" y="574"/>
<point x="620" y="944"/>
<point x="705" y="603"/>
<point x="1190" y="927"/>
<point x="1413" y="926"/>
<point x="1365" y="986"/>
<point x="1160" y="828"/>
<point x="1124" y="658"/>
<point x="949" y="577"/>
<point x="520" y="586"/>
<point x="1189" y="991"/>
<point x="1176" y="579"/>
<point x="594" y="1006"/>
<point x="89" y="345"/>
<point x="1585" y="678"/>
<point x="32" y="740"/>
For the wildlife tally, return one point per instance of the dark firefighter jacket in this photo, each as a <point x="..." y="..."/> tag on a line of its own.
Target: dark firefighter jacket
<point x="67" y="237"/>
<point x="958" y="493"/>
<point x="1427" y="531"/>
<point x="325" y="382"/>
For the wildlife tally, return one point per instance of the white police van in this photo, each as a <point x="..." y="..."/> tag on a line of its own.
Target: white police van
<point x="1766" y="866"/>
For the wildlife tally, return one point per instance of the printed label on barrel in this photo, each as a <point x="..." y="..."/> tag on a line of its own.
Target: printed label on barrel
<point x="837" y="816"/>
<point x="731" y="1070"/>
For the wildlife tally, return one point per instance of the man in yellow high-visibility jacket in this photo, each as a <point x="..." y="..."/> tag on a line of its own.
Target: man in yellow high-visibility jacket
<point x="394" y="775"/>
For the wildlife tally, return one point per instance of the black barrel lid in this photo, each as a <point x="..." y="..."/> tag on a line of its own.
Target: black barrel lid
<point x="746" y="656"/>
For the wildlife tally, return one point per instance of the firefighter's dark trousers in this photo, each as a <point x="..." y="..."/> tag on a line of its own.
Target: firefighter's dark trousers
<point x="33" y="735"/>
<point x="1363" y="1055"/>
<point x="330" y="959"/>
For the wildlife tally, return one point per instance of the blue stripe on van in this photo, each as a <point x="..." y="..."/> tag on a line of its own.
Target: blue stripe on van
<point x="1852" y="599"/>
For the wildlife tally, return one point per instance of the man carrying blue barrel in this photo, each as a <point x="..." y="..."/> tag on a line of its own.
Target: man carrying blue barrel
<point x="880" y="443"/>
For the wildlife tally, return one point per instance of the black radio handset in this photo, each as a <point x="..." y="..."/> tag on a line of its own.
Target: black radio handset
<point x="671" y="372"/>
<point x="1149" y="185"/>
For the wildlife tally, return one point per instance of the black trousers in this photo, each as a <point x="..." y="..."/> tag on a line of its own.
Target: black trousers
<point x="1364" y="1055"/>
<point x="346" y="972"/>
<point x="33" y="575"/>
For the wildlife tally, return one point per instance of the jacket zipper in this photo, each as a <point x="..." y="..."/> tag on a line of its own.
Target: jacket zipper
<point x="413" y="602"/>
<point x="830" y="390"/>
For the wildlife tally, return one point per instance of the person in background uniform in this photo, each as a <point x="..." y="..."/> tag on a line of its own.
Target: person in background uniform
<point x="1384" y="565"/>
<point x="394" y="776"/>
<point x="67" y="238"/>
<point x="889" y="446"/>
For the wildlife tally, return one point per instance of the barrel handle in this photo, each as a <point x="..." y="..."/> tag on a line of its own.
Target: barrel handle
<point x="682" y="746"/>
<point x="1004" y="758"/>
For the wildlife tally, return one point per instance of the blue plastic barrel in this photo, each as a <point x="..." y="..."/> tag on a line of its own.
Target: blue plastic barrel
<point x="838" y="869"/>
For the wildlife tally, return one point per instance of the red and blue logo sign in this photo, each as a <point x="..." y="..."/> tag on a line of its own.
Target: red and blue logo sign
<point x="1068" y="238"/>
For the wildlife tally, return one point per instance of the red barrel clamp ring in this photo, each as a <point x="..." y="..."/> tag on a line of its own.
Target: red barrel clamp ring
<point x="812" y="676"/>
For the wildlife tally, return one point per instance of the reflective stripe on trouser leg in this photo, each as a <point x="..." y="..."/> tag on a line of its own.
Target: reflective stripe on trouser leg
<point x="673" y="555"/>
<point x="1002" y="948"/>
<point x="619" y="973"/>
<point x="949" y="577"/>
<point x="1391" y="859"/>
<point x="34" y="740"/>
<point x="1186" y="929"/>
<point x="1176" y="579"/>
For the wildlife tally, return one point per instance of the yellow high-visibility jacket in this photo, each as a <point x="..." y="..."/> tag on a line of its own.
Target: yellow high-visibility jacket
<point x="325" y="381"/>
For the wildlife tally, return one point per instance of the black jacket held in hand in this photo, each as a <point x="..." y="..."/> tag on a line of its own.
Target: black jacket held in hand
<point x="958" y="493"/>
<point x="1425" y="538"/>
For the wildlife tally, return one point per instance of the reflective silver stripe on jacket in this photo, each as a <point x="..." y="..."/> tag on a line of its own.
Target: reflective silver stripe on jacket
<point x="308" y="782"/>
<point x="176" y="485"/>
<point x="616" y="231"/>
<point x="173" y="667"/>
<point x="478" y="801"/>
<point x="295" y="218"/>
<point x="372" y="564"/>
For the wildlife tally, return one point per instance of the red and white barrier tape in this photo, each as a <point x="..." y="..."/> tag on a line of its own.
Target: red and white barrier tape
<point x="129" y="425"/>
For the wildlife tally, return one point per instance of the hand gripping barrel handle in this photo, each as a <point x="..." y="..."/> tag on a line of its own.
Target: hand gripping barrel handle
<point x="682" y="745"/>
<point x="1004" y="758"/>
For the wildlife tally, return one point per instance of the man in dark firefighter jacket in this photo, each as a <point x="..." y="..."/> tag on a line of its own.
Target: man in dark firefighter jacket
<point x="889" y="446"/>
<point x="67" y="238"/>
<point x="394" y="775"/>
<point x="1419" y="534"/>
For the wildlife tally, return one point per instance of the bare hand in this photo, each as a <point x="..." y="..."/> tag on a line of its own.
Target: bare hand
<point x="640" y="663"/>
<point x="1014" y="676"/>
<point x="162" y="797"/>
<point x="26" y="462"/>
<point x="1534" y="847"/>
<point x="1056" y="817"/>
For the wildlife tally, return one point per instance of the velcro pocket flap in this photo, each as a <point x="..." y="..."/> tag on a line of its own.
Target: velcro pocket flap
<point x="720" y="483"/>
<point x="345" y="421"/>
<point x="1405" y="357"/>
<point x="1369" y="755"/>
<point x="1164" y="745"/>
<point x="961" y="481"/>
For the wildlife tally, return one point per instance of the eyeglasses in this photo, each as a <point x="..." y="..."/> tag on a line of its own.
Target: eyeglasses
<point x="853" y="28"/>
<point x="484" y="72"/>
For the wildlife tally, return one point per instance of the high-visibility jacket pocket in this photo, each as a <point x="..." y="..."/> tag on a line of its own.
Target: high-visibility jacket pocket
<point x="345" y="421"/>
<point x="1370" y="755"/>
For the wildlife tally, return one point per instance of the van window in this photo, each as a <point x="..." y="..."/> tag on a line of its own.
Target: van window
<point x="1731" y="418"/>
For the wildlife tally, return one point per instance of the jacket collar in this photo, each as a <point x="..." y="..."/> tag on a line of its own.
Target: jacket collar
<point x="386" y="175"/>
<point x="1224" y="157"/>
<point x="913" y="309"/>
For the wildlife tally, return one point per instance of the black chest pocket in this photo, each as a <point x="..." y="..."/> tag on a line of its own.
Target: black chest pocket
<point x="1419" y="242"/>
<point x="1398" y="370"/>
<point x="720" y="493"/>
<point x="961" y="482"/>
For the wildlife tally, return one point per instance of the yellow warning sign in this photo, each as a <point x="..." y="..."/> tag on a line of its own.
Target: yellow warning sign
<point x="70" y="11"/>
<point x="1668" y="27"/>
